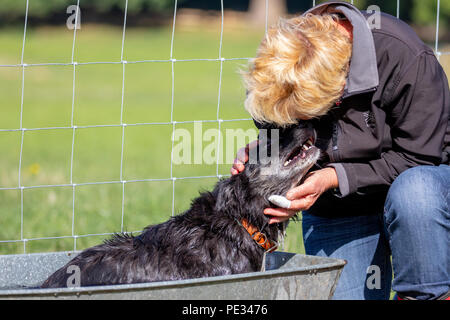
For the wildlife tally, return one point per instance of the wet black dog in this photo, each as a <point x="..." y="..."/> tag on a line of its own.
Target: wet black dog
<point x="211" y="238"/>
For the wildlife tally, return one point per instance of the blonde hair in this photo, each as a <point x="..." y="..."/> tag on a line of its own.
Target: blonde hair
<point x="299" y="71"/>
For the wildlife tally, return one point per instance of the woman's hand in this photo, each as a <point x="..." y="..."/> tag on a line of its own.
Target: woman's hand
<point x="305" y="195"/>
<point x="242" y="157"/>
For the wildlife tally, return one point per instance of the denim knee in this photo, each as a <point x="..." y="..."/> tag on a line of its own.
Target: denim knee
<point x="417" y="222"/>
<point x="415" y="195"/>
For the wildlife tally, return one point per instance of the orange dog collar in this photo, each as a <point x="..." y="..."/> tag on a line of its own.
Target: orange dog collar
<point x="259" y="237"/>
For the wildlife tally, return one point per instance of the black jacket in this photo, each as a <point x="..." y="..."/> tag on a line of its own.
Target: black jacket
<point x="394" y="114"/>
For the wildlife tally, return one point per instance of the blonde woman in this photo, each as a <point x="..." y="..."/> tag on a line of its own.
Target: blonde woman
<point x="379" y="102"/>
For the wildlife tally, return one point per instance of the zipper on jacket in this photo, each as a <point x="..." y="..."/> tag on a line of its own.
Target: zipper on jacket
<point x="334" y="142"/>
<point x="334" y="156"/>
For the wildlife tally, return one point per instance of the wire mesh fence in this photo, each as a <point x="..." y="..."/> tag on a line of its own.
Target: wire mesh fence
<point x="74" y="128"/>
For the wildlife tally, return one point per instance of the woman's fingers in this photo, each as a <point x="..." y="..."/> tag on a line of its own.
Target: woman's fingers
<point x="278" y="214"/>
<point x="242" y="157"/>
<point x="305" y="195"/>
<point x="303" y="203"/>
<point x="237" y="167"/>
<point x="301" y="191"/>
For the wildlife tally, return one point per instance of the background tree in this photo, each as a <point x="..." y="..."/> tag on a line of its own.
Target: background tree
<point x="419" y="12"/>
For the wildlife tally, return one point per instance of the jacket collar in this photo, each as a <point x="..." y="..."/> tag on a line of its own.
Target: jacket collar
<point x="363" y="71"/>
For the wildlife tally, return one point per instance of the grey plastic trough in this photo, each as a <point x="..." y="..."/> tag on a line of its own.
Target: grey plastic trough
<point x="287" y="276"/>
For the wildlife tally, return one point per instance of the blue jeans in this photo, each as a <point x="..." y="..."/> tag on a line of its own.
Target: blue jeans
<point x="415" y="228"/>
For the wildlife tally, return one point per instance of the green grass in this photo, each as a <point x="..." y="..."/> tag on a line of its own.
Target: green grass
<point x="47" y="102"/>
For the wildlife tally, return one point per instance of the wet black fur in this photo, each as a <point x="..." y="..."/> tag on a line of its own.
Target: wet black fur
<point x="204" y="241"/>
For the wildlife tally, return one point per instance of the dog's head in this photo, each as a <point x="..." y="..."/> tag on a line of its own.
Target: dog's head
<point x="278" y="164"/>
<point x="281" y="160"/>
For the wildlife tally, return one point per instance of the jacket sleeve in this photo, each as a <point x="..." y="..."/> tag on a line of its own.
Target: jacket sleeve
<point x="417" y="109"/>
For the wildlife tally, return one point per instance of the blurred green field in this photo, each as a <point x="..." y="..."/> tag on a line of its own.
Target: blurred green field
<point x="47" y="102"/>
